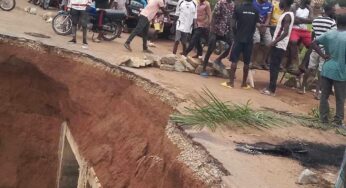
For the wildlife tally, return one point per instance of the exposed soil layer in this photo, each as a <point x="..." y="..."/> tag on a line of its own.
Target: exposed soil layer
<point x="120" y="128"/>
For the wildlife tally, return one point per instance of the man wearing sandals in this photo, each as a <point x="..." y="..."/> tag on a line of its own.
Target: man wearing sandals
<point x="279" y="44"/>
<point x="246" y="19"/>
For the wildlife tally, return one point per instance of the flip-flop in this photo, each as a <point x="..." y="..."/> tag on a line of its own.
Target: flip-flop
<point x="246" y="87"/>
<point x="224" y="84"/>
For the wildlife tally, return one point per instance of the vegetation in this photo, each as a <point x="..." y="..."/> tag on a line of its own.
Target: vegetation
<point x="209" y="111"/>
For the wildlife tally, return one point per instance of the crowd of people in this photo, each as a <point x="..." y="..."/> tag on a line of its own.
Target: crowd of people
<point x="279" y="26"/>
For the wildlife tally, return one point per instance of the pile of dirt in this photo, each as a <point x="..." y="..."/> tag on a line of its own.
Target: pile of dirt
<point x="120" y="128"/>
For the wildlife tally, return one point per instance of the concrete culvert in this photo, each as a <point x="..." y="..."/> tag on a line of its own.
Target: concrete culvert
<point x="120" y="128"/>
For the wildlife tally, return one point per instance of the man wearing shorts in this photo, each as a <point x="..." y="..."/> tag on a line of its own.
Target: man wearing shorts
<point x="246" y="19"/>
<point x="262" y="34"/>
<point x="320" y="25"/>
<point x="186" y="12"/>
<point x="300" y="32"/>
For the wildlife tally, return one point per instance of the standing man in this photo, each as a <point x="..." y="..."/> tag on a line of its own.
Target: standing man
<point x="147" y="14"/>
<point x="277" y="12"/>
<point x="320" y="25"/>
<point x="300" y="33"/>
<point x="334" y="70"/>
<point x="279" y="44"/>
<point x="262" y="34"/>
<point x="246" y="19"/>
<point x="78" y="12"/>
<point x="101" y="5"/>
<point x="203" y="21"/>
<point x="220" y="29"/>
<point x="186" y="11"/>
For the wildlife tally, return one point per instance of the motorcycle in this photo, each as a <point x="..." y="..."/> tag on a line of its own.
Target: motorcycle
<point x="7" y="5"/>
<point x="111" y="28"/>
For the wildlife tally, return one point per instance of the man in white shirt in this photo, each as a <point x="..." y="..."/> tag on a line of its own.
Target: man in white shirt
<point x="78" y="13"/>
<point x="186" y="12"/>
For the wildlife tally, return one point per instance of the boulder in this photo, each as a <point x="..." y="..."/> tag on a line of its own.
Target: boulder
<point x="188" y="66"/>
<point x="179" y="66"/>
<point x="169" y="59"/>
<point x="167" y="67"/>
<point x="307" y="177"/>
<point x="137" y="62"/>
<point x="329" y="179"/>
<point x="194" y="62"/>
<point x="156" y="59"/>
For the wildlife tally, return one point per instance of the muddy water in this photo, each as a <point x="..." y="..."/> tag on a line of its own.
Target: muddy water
<point x="120" y="128"/>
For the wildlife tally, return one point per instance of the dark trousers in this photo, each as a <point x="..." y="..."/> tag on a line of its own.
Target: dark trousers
<point x="141" y="28"/>
<point x="275" y="60"/>
<point x="340" y="93"/>
<point x="212" y="45"/>
<point x="101" y="14"/>
<point x="198" y="33"/>
<point x="76" y="16"/>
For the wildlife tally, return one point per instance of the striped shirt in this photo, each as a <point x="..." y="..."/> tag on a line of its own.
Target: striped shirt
<point x="322" y="24"/>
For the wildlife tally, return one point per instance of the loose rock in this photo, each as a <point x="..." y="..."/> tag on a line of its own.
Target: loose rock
<point x="156" y="59"/>
<point x="33" y="11"/>
<point x="137" y="62"/>
<point x="167" y="67"/>
<point x="179" y="66"/>
<point x="307" y="177"/>
<point x="188" y="66"/>
<point x="169" y="59"/>
<point x="194" y="62"/>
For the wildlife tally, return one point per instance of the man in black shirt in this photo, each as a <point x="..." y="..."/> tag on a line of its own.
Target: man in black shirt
<point x="246" y="19"/>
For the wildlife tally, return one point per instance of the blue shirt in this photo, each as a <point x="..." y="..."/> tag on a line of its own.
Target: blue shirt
<point x="334" y="43"/>
<point x="263" y="10"/>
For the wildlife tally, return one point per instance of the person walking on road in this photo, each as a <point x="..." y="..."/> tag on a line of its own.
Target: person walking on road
<point x="279" y="45"/>
<point x="101" y="5"/>
<point x="220" y="29"/>
<point x="78" y="13"/>
<point x="333" y="70"/>
<point x="186" y="12"/>
<point x="146" y="15"/>
<point x="203" y="22"/>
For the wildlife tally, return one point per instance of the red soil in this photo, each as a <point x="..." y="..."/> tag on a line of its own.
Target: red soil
<point x="120" y="128"/>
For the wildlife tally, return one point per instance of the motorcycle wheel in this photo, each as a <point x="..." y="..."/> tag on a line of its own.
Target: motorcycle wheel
<point x="7" y="5"/>
<point x="113" y="33"/>
<point x="62" y="24"/>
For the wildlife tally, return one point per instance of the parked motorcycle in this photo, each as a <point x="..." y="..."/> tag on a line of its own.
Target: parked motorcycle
<point x="111" y="28"/>
<point x="7" y="5"/>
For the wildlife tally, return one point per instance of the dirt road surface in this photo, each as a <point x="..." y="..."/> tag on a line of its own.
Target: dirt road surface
<point x="246" y="170"/>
